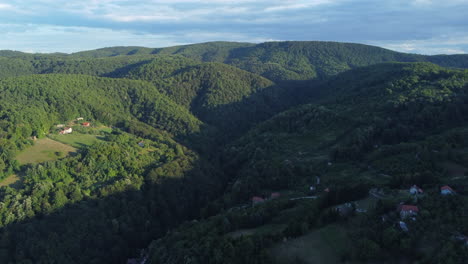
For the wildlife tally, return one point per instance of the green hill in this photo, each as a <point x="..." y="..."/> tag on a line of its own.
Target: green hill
<point x="214" y="92"/>
<point x="387" y="126"/>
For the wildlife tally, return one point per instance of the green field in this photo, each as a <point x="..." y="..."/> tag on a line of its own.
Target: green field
<point x="44" y="149"/>
<point x="77" y="140"/>
<point x="324" y="245"/>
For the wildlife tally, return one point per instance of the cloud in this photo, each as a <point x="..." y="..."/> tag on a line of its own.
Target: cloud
<point x="37" y="38"/>
<point x="392" y="23"/>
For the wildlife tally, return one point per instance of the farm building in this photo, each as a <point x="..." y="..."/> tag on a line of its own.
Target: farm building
<point x="79" y="118"/>
<point x="67" y="130"/>
<point x="407" y="210"/>
<point x="446" y="190"/>
<point x="86" y="124"/>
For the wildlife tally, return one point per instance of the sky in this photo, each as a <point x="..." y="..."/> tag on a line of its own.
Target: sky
<point x="414" y="26"/>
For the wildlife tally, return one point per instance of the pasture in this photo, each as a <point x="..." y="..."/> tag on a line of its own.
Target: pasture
<point x="44" y="149"/>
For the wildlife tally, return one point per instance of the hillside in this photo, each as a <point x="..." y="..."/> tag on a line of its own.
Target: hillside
<point x="293" y="60"/>
<point x="385" y="127"/>
<point x="220" y="152"/>
<point x="214" y="92"/>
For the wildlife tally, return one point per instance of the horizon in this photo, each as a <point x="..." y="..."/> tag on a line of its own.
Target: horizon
<point x="411" y="26"/>
<point x="188" y="44"/>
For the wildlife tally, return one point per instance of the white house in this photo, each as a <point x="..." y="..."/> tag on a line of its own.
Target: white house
<point x="446" y="190"/>
<point x="67" y="130"/>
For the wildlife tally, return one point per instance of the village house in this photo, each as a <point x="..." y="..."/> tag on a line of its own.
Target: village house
<point x="79" y="118"/>
<point x="67" y="130"/>
<point x="257" y="200"/>
<point x="415" y="190"/>
<point x="86" y="124"/>
<point x="275" y="195"/>
<point x="407" y="210"/>
<point x="446" y="190"/>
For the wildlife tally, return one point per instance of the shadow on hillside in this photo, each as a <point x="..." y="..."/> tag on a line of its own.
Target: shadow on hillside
<point x="120" y="72"/>
<point x="236" y="118"/>
<point x="112" y="228"/>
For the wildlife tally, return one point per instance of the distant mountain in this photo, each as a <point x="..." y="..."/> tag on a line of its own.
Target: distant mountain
<point x="292" y="60"/>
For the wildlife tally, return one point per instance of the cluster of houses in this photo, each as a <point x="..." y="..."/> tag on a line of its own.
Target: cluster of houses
<point x="411" y="211"/>
<point x="258" y="200"/>
<point x="69" y="130"/>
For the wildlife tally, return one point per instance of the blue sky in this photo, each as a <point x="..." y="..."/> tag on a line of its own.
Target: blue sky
<point x="416" y="26"/>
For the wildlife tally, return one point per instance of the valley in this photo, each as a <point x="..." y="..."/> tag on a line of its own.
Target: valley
<point x="279" y="152"/>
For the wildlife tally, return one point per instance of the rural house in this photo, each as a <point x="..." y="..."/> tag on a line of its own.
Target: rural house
<point x="446" y="190"/>
<point x="79" y="118"/>
<point x="86" y="124"/>
<point x="407" y="210"/>
<point x="66" y="130"/>
<point x="415" y="190"/>
<point x="275" y="195"/>
<point x="257" y="200"/>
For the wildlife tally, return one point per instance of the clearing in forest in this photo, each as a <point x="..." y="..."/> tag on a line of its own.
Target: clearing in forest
<point x="324" y="245"/>
<point x="44" y="149"/>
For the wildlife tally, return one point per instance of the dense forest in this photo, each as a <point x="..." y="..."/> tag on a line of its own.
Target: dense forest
<point x="280" y="152"/>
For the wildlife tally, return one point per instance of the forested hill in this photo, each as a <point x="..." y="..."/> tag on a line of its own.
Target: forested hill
<point x="277" y="61"/>
<point x="232" y="153"/>
<point x="291" y="60"/>
<point x="387" y="126"/>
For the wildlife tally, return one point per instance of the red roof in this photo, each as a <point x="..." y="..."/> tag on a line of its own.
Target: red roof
<point x="257" y="199"/>
<point x="86" y="124"/>
<point x="407" y="208"/>
<point x="446" y="187"/>
<point x="275" y="195"/>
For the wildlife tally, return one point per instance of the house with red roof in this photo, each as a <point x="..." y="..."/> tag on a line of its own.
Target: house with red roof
<point x="446" y="190"/>
<point x="257" y="200"/>
<point x="86" y="124"/>
<point x="407" y="210"/>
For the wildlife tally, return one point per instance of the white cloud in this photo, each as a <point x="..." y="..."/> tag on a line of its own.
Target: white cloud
<point x="432" y="46"/>
<point x="37" y="38"/>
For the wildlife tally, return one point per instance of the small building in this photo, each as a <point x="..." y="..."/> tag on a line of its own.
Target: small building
<point x="257" y="200"/>
<point x="327" y="190"/>
<point x="446" y="190"/>
<point x="79" y="119"/>
<point x="141" y="144"/>
<point x="415" y="190"/>
<point x="60" y="126"/>
<point x="407" y="210"/>
<point x="86" y="124"/>
<point x="67" y="130"/>
<point x="275" y="195"/>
